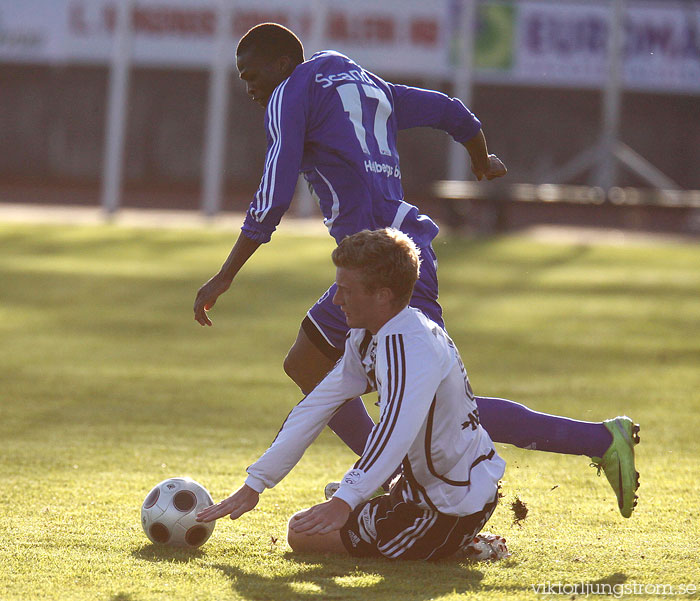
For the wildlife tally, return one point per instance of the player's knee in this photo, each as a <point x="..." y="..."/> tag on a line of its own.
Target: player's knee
<point x="288" y="365"/>
<point x="297" y="368"/>
<point x="293" y="368"/>
<point x="314" y="543"/>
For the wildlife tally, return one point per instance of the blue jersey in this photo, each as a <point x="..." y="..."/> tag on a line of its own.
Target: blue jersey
<point x="337" y="124"/>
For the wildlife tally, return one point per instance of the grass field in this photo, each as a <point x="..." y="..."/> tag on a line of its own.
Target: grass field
<point x="108" y="386"/>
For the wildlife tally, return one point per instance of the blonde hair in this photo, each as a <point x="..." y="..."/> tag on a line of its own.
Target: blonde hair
<point x="387" y="258"/>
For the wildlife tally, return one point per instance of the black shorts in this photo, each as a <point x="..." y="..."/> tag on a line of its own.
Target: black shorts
<point x="389" y="526"/>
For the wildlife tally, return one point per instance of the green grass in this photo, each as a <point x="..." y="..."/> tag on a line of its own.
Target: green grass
<point x="108" y="386"/>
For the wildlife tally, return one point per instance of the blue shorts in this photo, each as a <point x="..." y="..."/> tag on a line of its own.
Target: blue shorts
<point x="325" y="323"/>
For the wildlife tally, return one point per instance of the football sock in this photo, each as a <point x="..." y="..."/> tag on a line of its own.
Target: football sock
<point x="352" y="424"/>
<point x="512" y="423"/>
<point x="505" y="421"/>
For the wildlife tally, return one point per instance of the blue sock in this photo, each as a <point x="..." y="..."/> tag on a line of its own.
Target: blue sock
<point x="513" y="423"/>
<point x="353" y="426"/>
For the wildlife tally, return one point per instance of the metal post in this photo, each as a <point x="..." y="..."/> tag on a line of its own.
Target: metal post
<point x="117" y="109"/>
<point x="612" y="96"/>
<point x="317" y="39"/>
<point x="457" y="158"/>
<point x="217" y="113"/>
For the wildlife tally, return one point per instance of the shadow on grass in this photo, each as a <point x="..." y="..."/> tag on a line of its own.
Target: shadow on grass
<point x="324" y="577"/>
<point x="616" y="578"/>
<point x="609" y="585"/>
<point x="167" y="553"/>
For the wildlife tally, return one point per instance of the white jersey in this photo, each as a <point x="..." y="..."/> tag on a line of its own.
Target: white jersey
<point x="429" y="420"/>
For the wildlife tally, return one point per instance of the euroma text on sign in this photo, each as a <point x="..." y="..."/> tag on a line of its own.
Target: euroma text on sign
<point x="613" y="590"/>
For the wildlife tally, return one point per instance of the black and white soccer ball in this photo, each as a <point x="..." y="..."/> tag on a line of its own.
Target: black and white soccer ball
<point x="168" y="515"/>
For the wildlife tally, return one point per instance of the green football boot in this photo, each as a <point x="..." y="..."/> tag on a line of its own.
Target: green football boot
<point x="618" y="462"/>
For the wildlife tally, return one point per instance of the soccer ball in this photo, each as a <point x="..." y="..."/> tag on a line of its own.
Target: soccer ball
<point x="168" y="515"/>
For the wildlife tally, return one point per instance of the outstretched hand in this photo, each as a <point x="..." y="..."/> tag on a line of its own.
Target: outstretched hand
<point x="322" y="518"/>
<point x="495" y="169"/>
<point x="206" y="298"/>
<point x="240" y="502"/>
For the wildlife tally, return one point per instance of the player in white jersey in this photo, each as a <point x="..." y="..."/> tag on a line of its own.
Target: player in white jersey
<point x="428" y="422"/>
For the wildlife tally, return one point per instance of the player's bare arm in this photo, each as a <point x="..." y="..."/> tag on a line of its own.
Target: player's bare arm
<point x="322" y="518"/>
<point x="221" y="282"/>
<point x="240" y="502"/>
<point x="483" y="164"/>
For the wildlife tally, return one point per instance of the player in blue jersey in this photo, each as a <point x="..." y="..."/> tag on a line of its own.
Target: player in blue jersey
<point x="337" y="123"/>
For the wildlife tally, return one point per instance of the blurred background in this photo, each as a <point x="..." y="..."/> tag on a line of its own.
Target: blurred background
<point x="593" y="106"/>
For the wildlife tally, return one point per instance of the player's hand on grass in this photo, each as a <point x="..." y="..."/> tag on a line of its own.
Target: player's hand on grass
<point x="495" y="169"/>
<point x="321" y="519"/>
<point x="240" y="502"/>
<point x="206" y="297"/>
